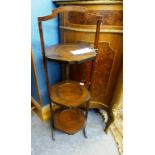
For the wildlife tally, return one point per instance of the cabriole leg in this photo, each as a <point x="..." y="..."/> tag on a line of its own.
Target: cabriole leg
<point x="109" y="122"/>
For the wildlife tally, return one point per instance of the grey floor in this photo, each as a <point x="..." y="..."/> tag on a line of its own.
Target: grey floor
<point x="97" y="143"/>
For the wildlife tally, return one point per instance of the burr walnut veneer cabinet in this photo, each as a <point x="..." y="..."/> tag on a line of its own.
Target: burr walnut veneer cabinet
<point x="73" y="27"/>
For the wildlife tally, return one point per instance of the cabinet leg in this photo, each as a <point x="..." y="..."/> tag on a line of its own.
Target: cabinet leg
<point x="109" y="122"/>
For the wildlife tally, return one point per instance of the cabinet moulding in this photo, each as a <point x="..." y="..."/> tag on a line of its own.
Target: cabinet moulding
<point x="89" y="2"/>
<point x="90" y="30"/>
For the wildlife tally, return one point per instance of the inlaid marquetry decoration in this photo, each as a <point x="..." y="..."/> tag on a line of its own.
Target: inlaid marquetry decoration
<point x="103" y="65"/>
<point x="110" y="17"/>
<point x="102" y="70"/>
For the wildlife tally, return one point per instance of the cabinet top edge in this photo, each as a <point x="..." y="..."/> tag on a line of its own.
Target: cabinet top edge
<point x="88" y="2"/>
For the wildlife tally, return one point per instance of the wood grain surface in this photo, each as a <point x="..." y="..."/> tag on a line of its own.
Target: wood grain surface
<point x="110" y="17"/>
<point x="69" y="93"/>
<point x="62" y="53"/>
<point x="69" y="121"/>
<point x="109" y="56"/>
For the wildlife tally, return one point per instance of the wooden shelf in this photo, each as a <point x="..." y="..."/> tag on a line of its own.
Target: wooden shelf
<point x="69" y="121"/>
<point x="62" y="53"/>
<point x="69" y="93"/>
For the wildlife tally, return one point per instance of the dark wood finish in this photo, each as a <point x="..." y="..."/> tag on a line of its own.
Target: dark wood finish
<point x="69" y="94"/>
<point x="46" y="72"/>
<point x="55" y="12"/>
<point x="69" y="120"/>
<point x="109" y="56"/>
<point x="61" y="53"/>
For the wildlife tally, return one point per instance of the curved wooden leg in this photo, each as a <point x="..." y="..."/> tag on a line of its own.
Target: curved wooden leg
<point x="109" y="122"/>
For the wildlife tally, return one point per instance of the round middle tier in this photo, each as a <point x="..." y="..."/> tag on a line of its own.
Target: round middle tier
<point x="69" y="93"/>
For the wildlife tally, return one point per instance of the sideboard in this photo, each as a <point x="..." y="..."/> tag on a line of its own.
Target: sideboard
<point x="73" y="27"/>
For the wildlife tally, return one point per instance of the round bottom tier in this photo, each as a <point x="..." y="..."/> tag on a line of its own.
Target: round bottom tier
<point x="69" y="121"/>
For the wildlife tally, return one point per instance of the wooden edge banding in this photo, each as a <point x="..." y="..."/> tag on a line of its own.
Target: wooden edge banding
<point x="91" y="30"/>
<point x="89" y="2"/>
